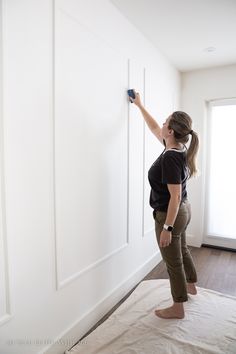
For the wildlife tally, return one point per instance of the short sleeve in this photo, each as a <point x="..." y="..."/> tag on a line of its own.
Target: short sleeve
<point x="171" y="168"/>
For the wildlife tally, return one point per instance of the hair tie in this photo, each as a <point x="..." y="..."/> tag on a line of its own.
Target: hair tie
<point x="191" y="132"/>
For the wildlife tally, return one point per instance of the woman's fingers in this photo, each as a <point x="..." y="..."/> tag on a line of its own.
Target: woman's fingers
<point x="165" y="239"/>
<point x="136" y="99"/>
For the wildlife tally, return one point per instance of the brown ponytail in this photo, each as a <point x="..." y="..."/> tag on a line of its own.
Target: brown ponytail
<point x="181" y="123"/>
<point x="192" y="154"/>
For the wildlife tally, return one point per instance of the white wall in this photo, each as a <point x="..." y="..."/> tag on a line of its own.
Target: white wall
<point x="198" y="88"/>
<point x="77" y="228"/>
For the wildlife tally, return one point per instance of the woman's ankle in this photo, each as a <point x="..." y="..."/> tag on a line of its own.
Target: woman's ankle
<point x="178" y="305"/>
<point x="191" y="288"/>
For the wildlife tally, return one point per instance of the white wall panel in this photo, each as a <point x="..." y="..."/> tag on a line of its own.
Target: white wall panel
<point x="91" y="147"/>
<point x="137" y="148"/>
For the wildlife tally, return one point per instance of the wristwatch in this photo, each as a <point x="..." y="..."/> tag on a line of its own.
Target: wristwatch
<point x="168" y="227"/>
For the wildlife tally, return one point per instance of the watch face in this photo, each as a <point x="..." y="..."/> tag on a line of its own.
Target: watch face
<point x="170" y="228"/>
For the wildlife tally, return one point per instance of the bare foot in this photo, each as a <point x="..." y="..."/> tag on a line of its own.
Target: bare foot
<point x="191" y="288"/>
<point x="175" y="311"/>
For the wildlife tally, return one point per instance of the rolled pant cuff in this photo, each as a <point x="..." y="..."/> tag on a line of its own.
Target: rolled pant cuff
<point x="181" y="299"/>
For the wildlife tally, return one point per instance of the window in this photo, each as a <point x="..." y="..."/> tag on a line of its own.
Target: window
<point x="221" y="170"/>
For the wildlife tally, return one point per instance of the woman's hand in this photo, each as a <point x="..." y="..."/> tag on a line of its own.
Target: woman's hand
<point x="136" y="100"/>
<point x="165" y="238"/>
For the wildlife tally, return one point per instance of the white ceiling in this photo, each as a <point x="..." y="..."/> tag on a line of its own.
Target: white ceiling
<point x="182" y="29"/>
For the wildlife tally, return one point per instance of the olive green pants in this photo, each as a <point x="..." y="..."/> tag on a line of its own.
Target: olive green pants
<point x="177" y="257"/>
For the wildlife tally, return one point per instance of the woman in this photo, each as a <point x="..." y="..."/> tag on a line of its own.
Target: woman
<point x="168" y="198"/>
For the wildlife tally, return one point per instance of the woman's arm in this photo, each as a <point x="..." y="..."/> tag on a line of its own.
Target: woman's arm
<point x="172" y="211"/>
<point x="174" y="202"/>
<point x="151" y="122"/>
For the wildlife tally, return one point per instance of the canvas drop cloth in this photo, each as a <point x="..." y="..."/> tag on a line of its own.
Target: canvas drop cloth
<point x="209" y="325"/>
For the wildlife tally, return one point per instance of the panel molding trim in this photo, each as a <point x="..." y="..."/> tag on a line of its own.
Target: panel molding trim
<point x="150" y="231"/>
<point x="5" y="308"/>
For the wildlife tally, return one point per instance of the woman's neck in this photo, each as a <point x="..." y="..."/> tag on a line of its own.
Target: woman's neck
<point x="173" y="145"/>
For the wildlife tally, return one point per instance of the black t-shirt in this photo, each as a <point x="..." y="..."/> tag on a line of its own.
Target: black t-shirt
<point x="169" y="168"/>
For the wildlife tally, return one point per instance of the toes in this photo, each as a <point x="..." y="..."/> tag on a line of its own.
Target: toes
<point x="158" y="313"/>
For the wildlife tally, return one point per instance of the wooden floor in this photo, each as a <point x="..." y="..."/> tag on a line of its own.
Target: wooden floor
<point x="216" y="270"/>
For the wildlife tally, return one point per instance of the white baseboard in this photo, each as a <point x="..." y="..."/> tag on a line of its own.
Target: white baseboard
<point x="193" y="241"/>
<point x="70" y="336"/>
